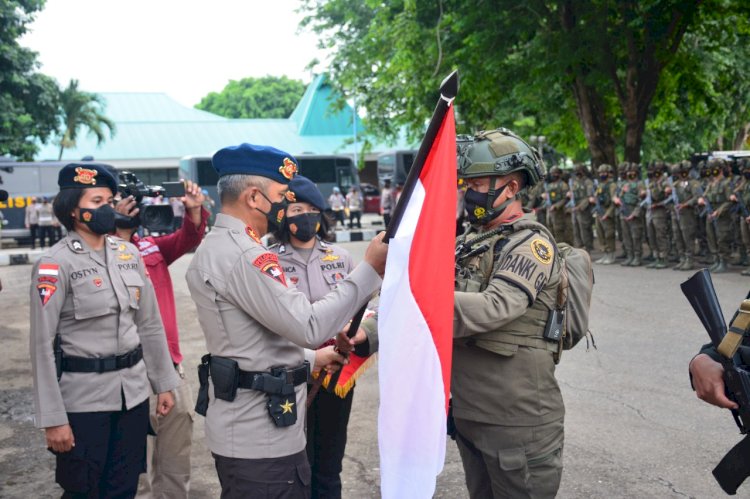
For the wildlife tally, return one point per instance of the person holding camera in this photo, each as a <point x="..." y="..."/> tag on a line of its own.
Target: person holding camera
<point x="168" y="473"/>
<point x="97" y="345"/>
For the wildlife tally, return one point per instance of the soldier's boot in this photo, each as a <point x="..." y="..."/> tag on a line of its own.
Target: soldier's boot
<point x="636" y="262"/>
<point x="680" y="264"/>
<point x="603" y="257"/>
<point x="628" y="259"/>
<point x="610" y="259"/>
<point x="689" y="263"/>
<point x="652" y="265"/>
<point x="720" y="268"/>
<point x="746" y="271"/>
<point x="714" y="264"/>
<point x="660" y="263"/>
<point x="673" y="258"/>
<point x="649" y="258"/>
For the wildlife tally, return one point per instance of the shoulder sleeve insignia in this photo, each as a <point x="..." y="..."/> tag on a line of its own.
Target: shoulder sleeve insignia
<point x="46" y="290"/>
<point x="268" y="263"/>
<point x="85" y="176"/>
<point x="542" y="251"/>
<point x="49" y="269"/>
<point x="288" y="169"/>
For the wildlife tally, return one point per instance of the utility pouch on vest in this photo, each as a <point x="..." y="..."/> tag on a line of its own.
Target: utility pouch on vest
<point x="225" y="373"/>
<point x="282" y="400"/>
<point x="201" y="402"/>
<point x="554" y="329"/>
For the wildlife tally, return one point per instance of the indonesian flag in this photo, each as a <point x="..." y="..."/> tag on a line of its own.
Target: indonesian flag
<point x="415" y="326"/>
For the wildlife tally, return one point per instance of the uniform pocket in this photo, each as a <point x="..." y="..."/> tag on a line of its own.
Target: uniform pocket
<point x="92" y="297"/>
<point x="515" y="471"/>
<point x="134" y="283"/>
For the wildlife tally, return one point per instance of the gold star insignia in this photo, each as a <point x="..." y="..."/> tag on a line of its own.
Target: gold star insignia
<point x="287" y="407"/>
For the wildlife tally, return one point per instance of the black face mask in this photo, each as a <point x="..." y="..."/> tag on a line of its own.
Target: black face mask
<point x="603" y="177"/>
<point x="304" y="226"/>
<point x="276" y="214"/>
<point x="100" y="220"/>
<point x="476" y="206"/>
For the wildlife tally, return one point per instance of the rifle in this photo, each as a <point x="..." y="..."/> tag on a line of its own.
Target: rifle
<point x="598" y="206"/>
<point x="699" y="290"/>
<point x="572" y="203"/>
<point x="709" y="209"/>
<point x="674" y="198"/>
<point x="648" y="203"/>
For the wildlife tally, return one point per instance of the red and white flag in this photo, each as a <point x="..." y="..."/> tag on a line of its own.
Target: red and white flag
<point x="415" y="326"/>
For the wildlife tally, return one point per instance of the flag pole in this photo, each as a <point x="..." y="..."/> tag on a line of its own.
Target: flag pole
<point x="448" y="91"/>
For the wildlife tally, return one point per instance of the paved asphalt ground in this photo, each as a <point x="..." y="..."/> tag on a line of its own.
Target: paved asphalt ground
<point x="633" y="427"/>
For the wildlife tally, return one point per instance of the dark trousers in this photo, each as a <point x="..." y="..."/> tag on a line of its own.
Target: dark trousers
<point x="355" y="214"/>
<point x="33" y="228"/>
<point x="285" y="477"/>
<point x="386" y="219"/>
<point x="327" y="419"/>
<point x="46" y="236"/>
<point x="109" y="454"/>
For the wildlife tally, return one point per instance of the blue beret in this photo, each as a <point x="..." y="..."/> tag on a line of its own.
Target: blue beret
<point x="86" y="175"/>
<point x="247" y="159"/>
<point x="305" y="191"/>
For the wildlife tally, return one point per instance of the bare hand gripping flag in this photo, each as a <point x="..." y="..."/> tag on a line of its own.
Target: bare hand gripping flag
<point x="415" y="322"/>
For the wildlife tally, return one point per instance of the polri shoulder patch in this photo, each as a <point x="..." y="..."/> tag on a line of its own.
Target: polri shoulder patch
<point x="542" y="250"/>
<point x="268" y="263"/>
<point x="46" y="290"/>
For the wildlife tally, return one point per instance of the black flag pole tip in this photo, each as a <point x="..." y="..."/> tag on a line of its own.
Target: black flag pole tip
<point x="449" y="87"/>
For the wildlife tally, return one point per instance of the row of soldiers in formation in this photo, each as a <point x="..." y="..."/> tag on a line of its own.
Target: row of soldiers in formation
<point x="686" y="213"/>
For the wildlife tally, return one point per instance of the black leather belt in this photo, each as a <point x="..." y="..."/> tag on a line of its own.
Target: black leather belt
<point x="102" y="364"/>
<point x="255" y="380"/>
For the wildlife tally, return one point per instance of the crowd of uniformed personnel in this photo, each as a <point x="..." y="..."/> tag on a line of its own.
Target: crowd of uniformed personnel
<point x="682" y="215"/>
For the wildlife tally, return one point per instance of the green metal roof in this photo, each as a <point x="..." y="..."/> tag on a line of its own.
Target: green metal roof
<point x="153" y="125"/>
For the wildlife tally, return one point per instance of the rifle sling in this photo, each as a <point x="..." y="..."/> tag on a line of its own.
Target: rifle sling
<point x="736" y="332"/>
<point x="734" y="467"/>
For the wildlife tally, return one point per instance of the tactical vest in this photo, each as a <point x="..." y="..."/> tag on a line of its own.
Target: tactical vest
<point x="602" y="192"/>
<point x="657" y="190"/>
<point x="473" y="275"/>
<point x="631" y="198"/>
<point x="716" y="195"/>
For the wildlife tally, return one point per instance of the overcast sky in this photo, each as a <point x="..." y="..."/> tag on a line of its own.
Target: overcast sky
<point x="185" y="48"/>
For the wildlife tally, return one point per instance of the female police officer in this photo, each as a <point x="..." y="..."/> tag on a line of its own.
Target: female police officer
<point x="97" y="344"/>
<point x="315" y="267"/>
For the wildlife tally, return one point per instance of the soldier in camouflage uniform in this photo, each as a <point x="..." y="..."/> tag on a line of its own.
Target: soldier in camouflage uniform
<point x="677" y="245"/>
<point x="704" y="178"/>
<point x="687" y="190"/>
<point x="556" y="217"/>
<point x="507" y="405"/>
<point x="719" y="227"/>
<point x="659" y="216"/>
<point x="604" y="208"/>
<point x="742" y="198"/>
<point x="622" y="230"/>
<point x="536" y="203"/>
<point x="629" y="202"/>
<point x="583" y="189"/>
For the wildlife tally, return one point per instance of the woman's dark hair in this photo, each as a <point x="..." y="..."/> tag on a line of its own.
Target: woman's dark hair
<point x="282" y="235"/>
<point x="65" y="202"/>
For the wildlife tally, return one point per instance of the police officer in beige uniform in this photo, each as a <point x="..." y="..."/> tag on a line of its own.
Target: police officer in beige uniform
<point x="315" y="268"/>
<point x="97" y="344"/>
<point x="507" y="405"/>
<point x="257" y="327"/>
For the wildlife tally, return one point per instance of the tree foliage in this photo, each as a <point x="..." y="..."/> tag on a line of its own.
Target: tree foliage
<point x="598" y="78"/>
<point x="267" y="97"/>
<point x="28" y="99"/>
<point x="82" y="110"/>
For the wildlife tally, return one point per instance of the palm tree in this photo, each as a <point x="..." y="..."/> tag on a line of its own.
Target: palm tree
<point x="82" y="109"/>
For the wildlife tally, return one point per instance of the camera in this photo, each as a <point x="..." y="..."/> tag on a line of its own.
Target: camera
<point x="154" y="218"/>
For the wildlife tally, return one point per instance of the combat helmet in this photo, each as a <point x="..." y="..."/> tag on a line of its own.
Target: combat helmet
<point x="499" y="152"/>
<point x="605" y="168"/>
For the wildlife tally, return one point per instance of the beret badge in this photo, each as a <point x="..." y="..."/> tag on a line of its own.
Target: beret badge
<point x="85" y="176"/>
<point x="288" y="169"/>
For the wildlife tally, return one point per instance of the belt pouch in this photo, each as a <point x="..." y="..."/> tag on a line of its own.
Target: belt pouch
<point x="201" y="403"/>
<point x="225" y="374"/>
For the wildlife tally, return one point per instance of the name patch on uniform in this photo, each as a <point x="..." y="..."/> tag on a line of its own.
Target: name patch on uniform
<point x="268" y="263"/>
<point x="46" y="290"/>
<point x="332" y="266"/>
<point x="127" y="266"/>
<point x="50" y="269"/>
<point x="290" y="269"/>
<point x="519" y="265"/>
<point x="79" y="274"/>
<point x="542" y="251"/>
